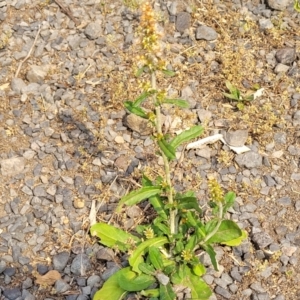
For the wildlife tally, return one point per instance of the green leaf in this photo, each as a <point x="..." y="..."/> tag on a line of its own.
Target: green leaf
<point x="192" y="242"/>
<point x="189" y="203"/>
<point x="297" y="5"/>
<point x="111" y="289"/>
<point x="156" y="258"/>
<point x="167" y="149"/>
<point x="199" y="289"/>
<point x="146" y="181"/>
<point x="158" y="225"/>
<point x="211" y="225"/>
<point x="212" y="254"/>
<point x="135" y="110"/>
<point x="139" y="72"/>
<point x="139" y="195"/>
<point x="146" y="268"/>
<point x="237" y="241"/>
<point x="227" y="231"/>
<point x="134" y="260"/>
<point x="133" y="282"/>
<point x="150" y="293"/>
<point x="166" y="292"/>
<point x="186" y="136"/>
<point x="231" y="96"/>
<point x="111" y="236"/>
<point x="139" y="100"/>
<point x="158" y="205"/>
<point x="199" y="270"/>
<point x="169" y="73"/>
<point x="240" y="106"/>
<point x="178" y="102"/>
<point x="229" y="199"/>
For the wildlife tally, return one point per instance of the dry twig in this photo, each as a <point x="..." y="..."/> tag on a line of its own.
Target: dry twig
<point x="29" y="53"/>
<point x="67" y="11"/>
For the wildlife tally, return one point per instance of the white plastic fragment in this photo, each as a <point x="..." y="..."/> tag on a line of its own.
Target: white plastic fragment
<point x="258" y="93"/>
<point x="205" y="141"/>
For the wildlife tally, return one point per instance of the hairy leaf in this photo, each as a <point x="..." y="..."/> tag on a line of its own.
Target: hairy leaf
<point x="187" y="135"/>
<point x="212" y="254"/>
<point x="135" y="110"/>
<point x="166" y="292"/>
<point x="111" y="236"/>
<point x="139" y="195"/>
<point x="135" y="260"/>
<point x="178" y="102"/>
<point x="167" y="149"/>
<point x="156" y="258"/>
<point x="237" y="241"/>
<point x="229" y="201"/>
<point x="169" y="73"/>
<point x="189" y="203"/>
<point x="133" y="282"/>
<point x="111" y="289"/>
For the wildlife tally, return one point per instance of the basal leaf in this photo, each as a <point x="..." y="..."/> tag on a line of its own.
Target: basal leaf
<point x="167" y="149"/>
<point x="166" y="292"/>
<point x="199" y="270"/>
<point x="111" y="236"/>
<point x="199" y="289"/>
<point x="231" y="96"/>
<point x="178" y="102"/>
<point x="133" y="282"/>
<point x="139" y="195"/>
<point x="186" y="136"/>
<point x="238" y="241"/>
<point x="111" y="289"/>
<point x="227" y="231"/>
<point x="134" y="259"/>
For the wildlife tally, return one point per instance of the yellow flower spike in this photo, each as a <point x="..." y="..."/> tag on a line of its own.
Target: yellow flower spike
<point x="149" y="234"/>
<point x="215" y="190"/>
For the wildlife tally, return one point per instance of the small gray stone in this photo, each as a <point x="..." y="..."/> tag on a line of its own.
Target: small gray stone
<point x="223" y="292"/>
<point x="2" y="266"/>
<point x="12" y="166"/>
<point x="281" y="68"/>
<point x="285" y="201"/>
<point x="93" y="30"/>
<point x="249" y="160"/>
<point x="61" y="286"/>
<point x="37" y="74"/>
<point x="183" y="21"/>
<point x="39" y="191"/>
<point x="105" y="254"/>
<point x="262" y="239"/>
<point x="295" y="176"/>
<point x="297" y="206"/>
<point x="206" y="33"/>
<point x="27" y="283"/>
<point x="94" y="280"/>
<point x="60" y="260"/>
<point x="81" y="264"/>
<point x="257" y="287"/>
<point x="278" y="4"/>
<point x="236" y="138"/>
<point x="265" y="24"/>
<point x="280" y="137"/>
<point x="204" y="115"/>
<point x="269" y="180"/>
<point x="109" y="272"/>
<point x="138" y="124"/>
<point x="17" y="84"/>
<point x="293" y="150"/>
<point x="286" y="56"/>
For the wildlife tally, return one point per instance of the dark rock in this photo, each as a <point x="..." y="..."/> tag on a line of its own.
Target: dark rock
<point x="12" y="294"/>
<point x="286" y="56"/>
<point x="81" y="264"/>
<point x="60" y="260"/>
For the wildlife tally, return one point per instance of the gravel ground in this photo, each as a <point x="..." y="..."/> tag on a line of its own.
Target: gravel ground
<point x="66" y="139"/>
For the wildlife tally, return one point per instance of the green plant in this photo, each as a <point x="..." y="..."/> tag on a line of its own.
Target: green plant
<point x="163" y="254"/>
<point x="297" y="5"/>
<point x="236" y="95"/>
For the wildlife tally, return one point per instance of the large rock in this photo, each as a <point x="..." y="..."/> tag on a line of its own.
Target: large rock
<point x="12" y="166"/>
<point x="37" y="74"/>
<point x="286" y="56"/>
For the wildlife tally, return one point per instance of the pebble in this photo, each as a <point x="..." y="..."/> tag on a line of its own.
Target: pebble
<point x="60" y="260"/>
<point x="183" y="20"/>
<point x="278" y="4"/>
<point x="206" y="33"/>
<point x="80" y="265"/>
<point x="249" y="160"/>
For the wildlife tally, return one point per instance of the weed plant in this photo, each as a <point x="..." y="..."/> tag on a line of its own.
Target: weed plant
<point x="163" y="255"/>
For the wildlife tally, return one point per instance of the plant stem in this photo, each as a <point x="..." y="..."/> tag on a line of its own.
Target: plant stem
<point x="220" y="217"/>
<point x="173" y="212"/>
